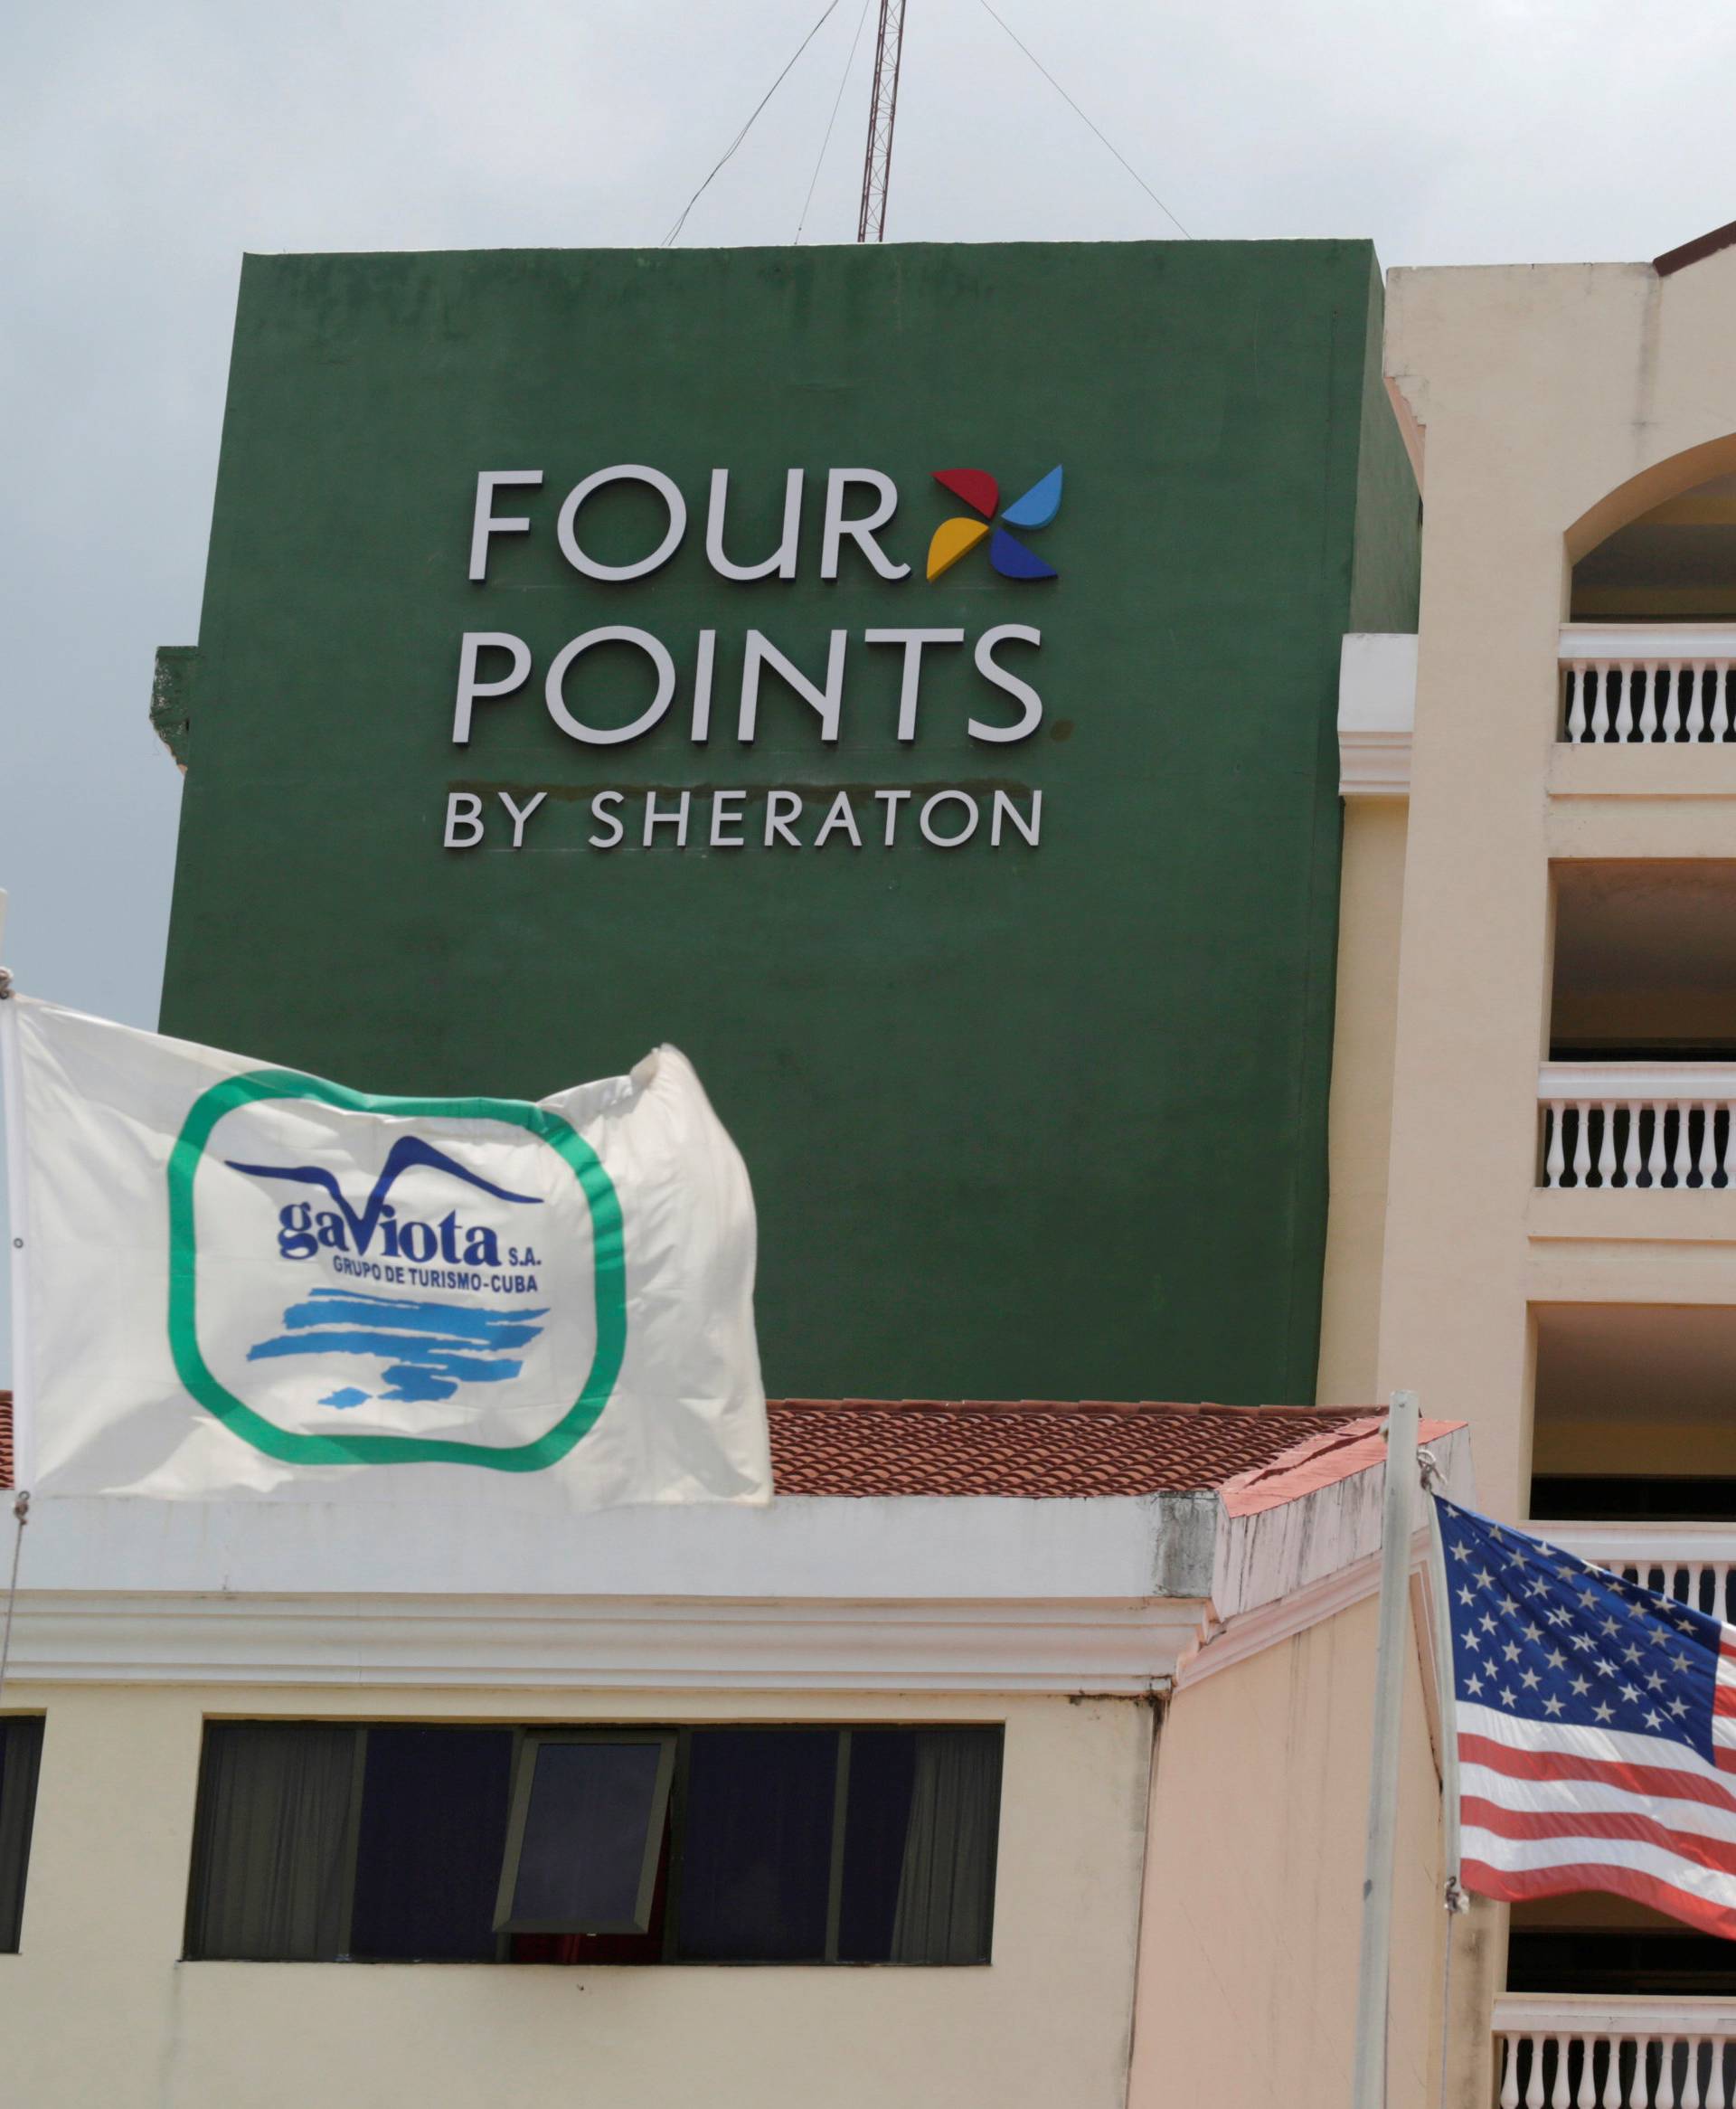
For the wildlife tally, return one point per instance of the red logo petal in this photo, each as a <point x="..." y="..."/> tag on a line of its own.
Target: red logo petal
<point x="975" y="487"/>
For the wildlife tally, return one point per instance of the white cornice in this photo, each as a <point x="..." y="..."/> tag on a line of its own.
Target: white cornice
<point x="1377" y="708"/>
<point x="1099" y="1647"/>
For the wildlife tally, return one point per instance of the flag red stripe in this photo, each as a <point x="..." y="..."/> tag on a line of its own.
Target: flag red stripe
<point x="1717" y="1853"/>
<point x="1518" y="1887"/>
<point x="1564" y="1764"/>
<point x="1723" y="1698"/>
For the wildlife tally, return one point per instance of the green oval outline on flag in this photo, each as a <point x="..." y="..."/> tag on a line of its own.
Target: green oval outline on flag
<point x="611" y="1277"/>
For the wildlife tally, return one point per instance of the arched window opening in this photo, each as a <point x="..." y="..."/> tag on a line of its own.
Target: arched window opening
<point x="1675" y="563"/>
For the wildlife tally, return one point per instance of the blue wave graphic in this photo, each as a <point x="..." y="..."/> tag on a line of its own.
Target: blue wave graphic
<point x="430" y="1349"/>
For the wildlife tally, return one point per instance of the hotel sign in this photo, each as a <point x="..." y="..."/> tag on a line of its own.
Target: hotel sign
<point x="498" y="671"/>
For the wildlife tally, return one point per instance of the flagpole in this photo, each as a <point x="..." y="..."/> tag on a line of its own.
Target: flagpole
<point x="12" y="1116"/>
<point x="1369" y="2087"/>
<point x="1443" y="1635"/>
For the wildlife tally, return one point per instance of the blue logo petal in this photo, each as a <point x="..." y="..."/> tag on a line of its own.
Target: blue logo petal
<point x="1038" y="506"/>
<point x="1013" y="560"/>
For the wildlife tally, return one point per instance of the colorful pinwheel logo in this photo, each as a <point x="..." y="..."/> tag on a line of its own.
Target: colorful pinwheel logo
<point x="957" y="537"/>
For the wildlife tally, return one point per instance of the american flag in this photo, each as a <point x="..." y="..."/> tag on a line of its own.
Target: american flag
<point x="1597" y="1729"/>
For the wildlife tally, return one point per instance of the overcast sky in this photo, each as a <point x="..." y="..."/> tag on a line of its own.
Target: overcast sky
<point x="143" y="148"/>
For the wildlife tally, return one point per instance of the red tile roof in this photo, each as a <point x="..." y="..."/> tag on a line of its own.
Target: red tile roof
<point x="1029" y="1448"/>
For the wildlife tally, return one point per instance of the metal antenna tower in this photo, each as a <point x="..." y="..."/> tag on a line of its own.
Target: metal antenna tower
<point x="882" y="114"/>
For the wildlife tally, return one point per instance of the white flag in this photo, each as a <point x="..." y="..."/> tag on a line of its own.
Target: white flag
<point x="237" y="1280"/>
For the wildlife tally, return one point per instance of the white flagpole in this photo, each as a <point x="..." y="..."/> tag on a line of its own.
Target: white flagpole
<point x="1369" y="2090"/>
<point x="12" y="1111"/>
<point x="1438" y="1588"/>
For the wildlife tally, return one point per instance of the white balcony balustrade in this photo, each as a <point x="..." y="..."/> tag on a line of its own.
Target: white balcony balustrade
<point x="1637" y="1123"/>
<point x="1598" y="2053"/>
<point x="1691" y="1562"/>
<point x="1648" y="685"/>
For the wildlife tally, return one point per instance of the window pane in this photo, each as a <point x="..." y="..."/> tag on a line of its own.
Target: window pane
<point x="433" y="1829"/>
<point x="757" y="1845"/>
<point x="269" y="1848"/>
<point x="943" y="1905"/>
<point x="20" y="1746"/>
<point x="883" y="1773"/>
<point x="588" y="1825"/>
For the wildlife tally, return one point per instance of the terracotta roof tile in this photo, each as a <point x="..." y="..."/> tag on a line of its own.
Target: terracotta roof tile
<point x="1028" y="1448"/>
<point x="1033" y="1448"/>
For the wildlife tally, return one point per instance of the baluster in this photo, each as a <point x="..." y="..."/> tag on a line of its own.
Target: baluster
<point x="1561" y="2096"/>
<point x="1664" y="2097"/>
<point x="1576" y="701"/>
<point x="1690" y="2078"/>
<point x="1649" y="709"/>
<point x="1655" y="1162"/>
<point x="1673" y="709"/>
<point x="1611" y="2075"/>
<point x="1625" y="708"/>
<point x="1600" y="709"/>
<point x="1719" y="713"/>
<point x="1724" y="1148"/>
<point x="1554" y="1156"/>
<point x="1683" y="1159"/>
<point x="1607" y="1149"/>
<point x="1696" y="707"/>
<point x="1510" y="2078"/>
<point x="1534" y="2077"/>
<point x="1630" y="1157"/>
<point x="1585" y="2093"/>
<point x="1715" y="2078"/>
<point x="1582" y="1145"/>
<point x="1704" y="1161"/>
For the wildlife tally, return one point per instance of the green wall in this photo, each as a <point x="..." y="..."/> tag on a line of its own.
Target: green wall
<point x="1020" y="1122"/>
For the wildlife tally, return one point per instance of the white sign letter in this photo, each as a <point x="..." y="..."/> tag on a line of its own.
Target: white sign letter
<point x="782" y="559"/>
<point x="861" y="532"/>
<point x="828" y="701"/>
<point x="629" y="472"/>
<point x="519" y="814"/>
<point x="476" y="642"/>
<point x="999" y="677"/>
<point x="482" y="523"/>
<point x="604" y="806"/>
<point x="463" y="809"/>
<point x="912" y="641"/>
<point x="612" y="736"/>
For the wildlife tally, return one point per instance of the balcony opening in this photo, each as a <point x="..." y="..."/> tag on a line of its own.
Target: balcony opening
<point x="1600" y="1946"/>
<point x="1645" y="960"/>
<point x="1675" y="563"/>
<point x="1633" y="1420"/>
<point x="1640" y="1081"/>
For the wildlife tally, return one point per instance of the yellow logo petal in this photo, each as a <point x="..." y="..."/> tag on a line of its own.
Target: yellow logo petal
<point x="952" y="540"/>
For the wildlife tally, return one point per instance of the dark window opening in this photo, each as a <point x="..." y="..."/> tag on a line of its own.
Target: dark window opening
<point x="21" y="1752"/>
<point x="1620" y="1961"/>
<point x="404" y="1843"/>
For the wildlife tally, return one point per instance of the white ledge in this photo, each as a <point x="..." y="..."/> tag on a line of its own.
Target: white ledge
<point x="1654" y="1545"/>
<point x="1107" y="1648"/>
<point x="1377" y="708"/>
<point x="1598" y="2014"/>
<point x="1596" y="1082"/>
<point x="1591" y="643"/>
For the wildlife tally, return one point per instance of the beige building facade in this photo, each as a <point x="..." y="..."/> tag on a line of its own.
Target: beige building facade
<point x="1535" y="1221"/>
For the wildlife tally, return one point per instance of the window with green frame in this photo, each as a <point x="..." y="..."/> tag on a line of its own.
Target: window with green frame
<point x="20" y="1753"/>
<point x="403" y="1842"/>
